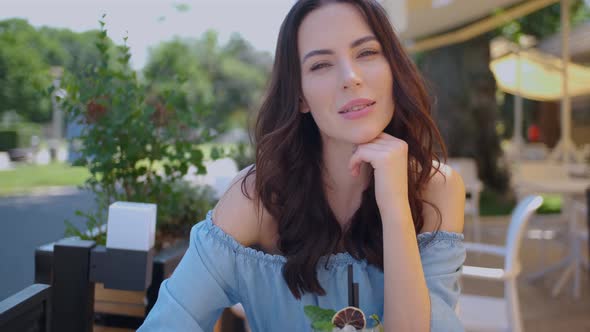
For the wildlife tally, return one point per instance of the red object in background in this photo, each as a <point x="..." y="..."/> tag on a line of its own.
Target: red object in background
<point x="534" y="133"/>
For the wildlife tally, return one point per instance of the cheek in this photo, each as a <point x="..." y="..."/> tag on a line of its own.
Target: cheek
<point x="382" y="83"/>
<point x="381" y="74"/>
<point x="317" y="92"/>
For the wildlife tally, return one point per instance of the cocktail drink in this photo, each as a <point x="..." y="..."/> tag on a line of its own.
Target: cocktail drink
<point x="349" y="328"/>
<point x="349" y="319"/>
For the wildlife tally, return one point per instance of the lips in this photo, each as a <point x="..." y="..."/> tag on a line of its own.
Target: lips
<point x="356" y="105"/>
<point x="357" y="108"/>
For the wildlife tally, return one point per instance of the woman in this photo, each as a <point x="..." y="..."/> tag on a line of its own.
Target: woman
<point x="346" y="174"/>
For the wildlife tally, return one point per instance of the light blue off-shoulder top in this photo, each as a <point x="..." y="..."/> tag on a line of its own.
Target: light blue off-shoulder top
<point x="217" y="272"/>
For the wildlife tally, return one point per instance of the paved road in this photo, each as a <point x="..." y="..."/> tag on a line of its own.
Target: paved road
<point x="28" y="222"/>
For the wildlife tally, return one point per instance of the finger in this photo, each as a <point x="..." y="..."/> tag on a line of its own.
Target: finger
<point x="355" y="162"/>
<point x="390" y="142"/>
<point x="363" y="154"/>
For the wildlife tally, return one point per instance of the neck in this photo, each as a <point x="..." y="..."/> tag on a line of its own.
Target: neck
<point x="343" y="191"/>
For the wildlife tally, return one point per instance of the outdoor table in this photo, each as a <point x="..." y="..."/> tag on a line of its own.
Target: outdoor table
<point x="570" y="188"/>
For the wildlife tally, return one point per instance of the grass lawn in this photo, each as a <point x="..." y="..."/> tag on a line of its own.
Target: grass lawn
<point x="26" y="178"/>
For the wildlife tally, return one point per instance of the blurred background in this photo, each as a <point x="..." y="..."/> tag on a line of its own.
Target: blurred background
<point x="152" y="101"/>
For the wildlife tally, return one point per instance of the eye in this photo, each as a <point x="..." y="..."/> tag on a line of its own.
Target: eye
<point x="319" y="66"/>
<point x="368" y="53"/>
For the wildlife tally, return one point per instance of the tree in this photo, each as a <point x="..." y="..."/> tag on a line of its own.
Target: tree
<point x="136" y="145"/>
<point x="227" y="79"/>
<point x="465" y="107"/>
<point x="26" y="56"/>
<point x="23" y="71"/>
<point x="77" y="52"/>
<point x="545" y="22"/>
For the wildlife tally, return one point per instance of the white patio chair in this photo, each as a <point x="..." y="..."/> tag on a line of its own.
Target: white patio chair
<point x="578" y="258"/>
<point x="481" y="313"/>
<point x="467" y="168"/>
<point x="545" y="226"/>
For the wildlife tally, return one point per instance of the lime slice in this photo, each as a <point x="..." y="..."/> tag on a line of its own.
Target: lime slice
<point x="350" y="316"/>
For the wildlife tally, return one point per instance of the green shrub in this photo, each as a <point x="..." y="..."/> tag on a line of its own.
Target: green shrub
<point x="136" y="145"/>
<point x="8" y="140"/>
<point x="18" y="135"/>
<point x="243" y="155"/>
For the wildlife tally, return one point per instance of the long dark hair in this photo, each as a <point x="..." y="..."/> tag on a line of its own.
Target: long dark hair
<point x="289" y="182"/>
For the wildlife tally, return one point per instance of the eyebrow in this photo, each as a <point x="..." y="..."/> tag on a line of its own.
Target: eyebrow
<point x="352" y="45"/>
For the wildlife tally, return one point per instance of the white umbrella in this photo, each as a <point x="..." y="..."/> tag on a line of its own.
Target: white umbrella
<point x="538" y="76"/>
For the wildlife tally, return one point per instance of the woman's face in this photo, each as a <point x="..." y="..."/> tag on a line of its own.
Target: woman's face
<point x="343" y="69"/>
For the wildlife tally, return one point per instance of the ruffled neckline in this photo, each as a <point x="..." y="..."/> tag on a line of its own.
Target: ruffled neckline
<point x="337" y="259"/>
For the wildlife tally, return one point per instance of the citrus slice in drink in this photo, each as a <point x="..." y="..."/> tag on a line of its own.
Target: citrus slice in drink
<point x="350" y="316"/>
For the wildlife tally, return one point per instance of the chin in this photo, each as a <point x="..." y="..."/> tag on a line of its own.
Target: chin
<point x="360" y="136"/>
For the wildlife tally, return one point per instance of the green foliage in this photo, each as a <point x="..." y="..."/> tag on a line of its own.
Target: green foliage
<point x="75" y="52"/>
<point x="545" y="22"/>
<point x="136" y="143"/>
<point x="183" y="206"/>
<point x="226" y="79"/>
<point x="551" y="204"/>
<point x="243" y="155"/>
<point x="94" y="221"/>
<point x="321" y="319"/>
<point x="23" y="72"/>
<point x="494" y="203"/>
<point x="376" y="318"/>
<point x="8" y="140"/>
<point x="26" y="56"/>
<point x="182" y="7"/>
<point x="18" y="135"/>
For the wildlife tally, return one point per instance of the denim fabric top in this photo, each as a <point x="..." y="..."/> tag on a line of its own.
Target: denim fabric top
<point x="217" y="272"/>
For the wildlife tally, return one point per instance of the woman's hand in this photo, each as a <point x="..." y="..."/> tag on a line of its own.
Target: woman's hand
<point x="388" y="156"/>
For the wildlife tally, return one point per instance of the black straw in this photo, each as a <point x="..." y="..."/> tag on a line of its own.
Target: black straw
<point x="356" y="295"/>
<point x="350" y="287"/>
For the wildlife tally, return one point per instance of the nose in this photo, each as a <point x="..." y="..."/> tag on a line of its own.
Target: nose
<point x="351" y="77"/>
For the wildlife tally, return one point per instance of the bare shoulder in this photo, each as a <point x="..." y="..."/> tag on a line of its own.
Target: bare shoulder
<point x="446" y="191"/>
<point x="237" y="214"/>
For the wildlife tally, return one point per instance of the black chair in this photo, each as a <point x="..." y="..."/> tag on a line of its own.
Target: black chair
<point x="28" y="310"/>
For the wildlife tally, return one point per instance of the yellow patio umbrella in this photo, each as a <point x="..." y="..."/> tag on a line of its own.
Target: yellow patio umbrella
<point x="538" y="76"/>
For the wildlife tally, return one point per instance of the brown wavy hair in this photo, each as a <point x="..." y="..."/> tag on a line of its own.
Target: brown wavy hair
<point x="289" y="182"/>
